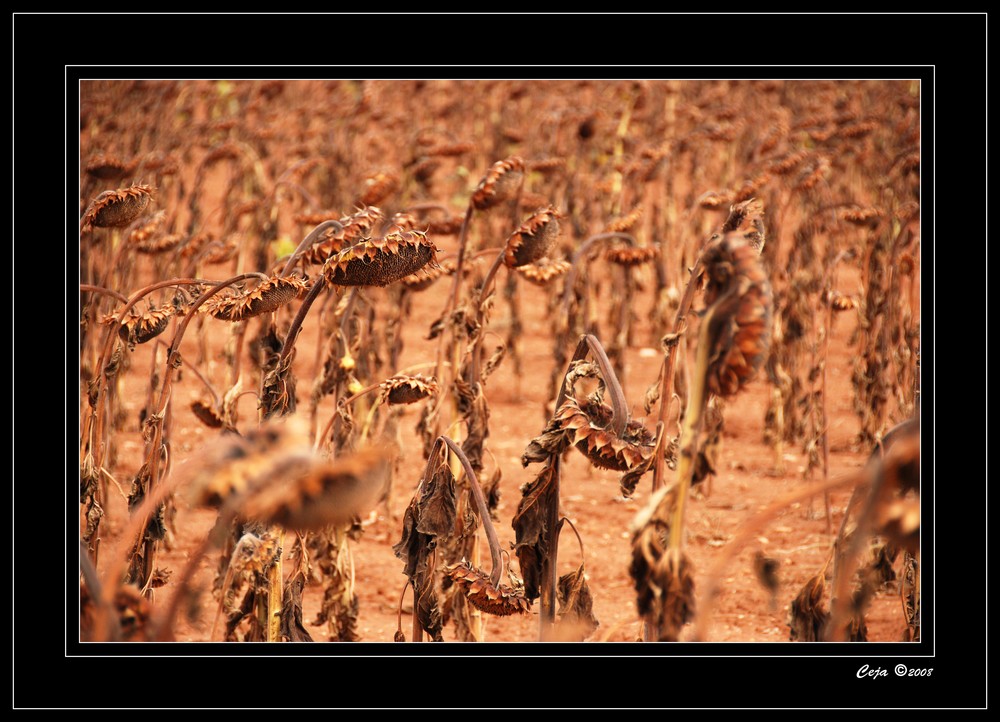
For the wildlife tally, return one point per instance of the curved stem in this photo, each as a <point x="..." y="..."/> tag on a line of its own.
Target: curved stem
<point x="483" y="293"/>
<point x="672" y="341"/>
<point x="484" y="510"/>
<point x="452" y="301"/>
<point x="293" y="331"/>
<point x="619" y="406"/>
<point x="307" y="243"/>
<point x="88" y="288"/>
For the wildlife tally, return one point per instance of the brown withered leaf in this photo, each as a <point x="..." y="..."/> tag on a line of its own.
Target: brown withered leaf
<point x="662" y="577"/>
<point x="491" y="490"/>
<point x="330" y="548"/>
<point x="879" y="568"/>
<point x="277" y="396"/>
<point x="909" y="590"/>
<point x="437" y="507"/>
<point x="477" y="417"/>
<point x="416" y="551"/>
<point x="576" y="606"/>
<point x="807" y="617"/>
<point x="708" y="449"/>
<point x="292" y="629"/>
<point x="159" y="578"/>
<point x="530" y="526"/>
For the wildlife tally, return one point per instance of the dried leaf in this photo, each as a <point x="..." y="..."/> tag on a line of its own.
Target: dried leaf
<point x="576" y="607"/>
<point x="530" y="526"/>
<point x="292" y="629"/>
<point x="807" y="617"/>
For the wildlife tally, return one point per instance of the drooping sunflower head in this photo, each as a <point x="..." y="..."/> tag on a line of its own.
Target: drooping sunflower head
<point x="499" y="184"/>
<point x="533" y="239"/>
<point x="140" y="327"/>
<point x="266" y="297"/>
<point x="739" y="299"/>
<point x="498" y="600"/>
<point x="381" y="261"/>
<point x="405" y="389"/>
<point x="118" y="208"/>
<point x="543" y="271"/>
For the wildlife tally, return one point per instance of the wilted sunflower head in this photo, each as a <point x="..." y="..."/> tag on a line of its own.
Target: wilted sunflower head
<point x="352" y="229"/>
<point x="405" y="389"/>
<point x="381" y="261"/>
<point x="739" y="299"/>
<point x="499" y="184"/>
<point x="587" y="424"/>
<point x="378" y="186"/>
<point x="533" y="240"/>
<point x="117" y="208"/>
<point x="626" y="223"/>
<point x="142" y="232"/>
<point x="140" y="327"/>
<point x="498" y="600"/>
<point x="544" y="271"/>
<point x="625" y="255"/>
<point x="747" y="219"/>
<point x="107" y="167"/>
<point x="268" y="296"/>
<point x="160" y="244"/>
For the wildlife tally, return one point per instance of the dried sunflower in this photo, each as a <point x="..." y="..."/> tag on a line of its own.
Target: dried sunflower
<point x="107" y="167"/>
<point x="145" y="231"/>
<point x="266" y="297"/>
<point x="378" y="187"/>
<point x="737" y="281"/>
<point x="380" y="261"/>
<point x="533" y="239"/>
<point x="404" y="389"/>
<point x="352" y="229"/>
<point x="117" y="208"/>
<point x="160" y="244"/>
<point x="543" y="271"/>
<point x="496" y="599"/>
<point x="625" y="255"/>
<point x="747" y="219"/>
<point x="589" y="425"/>
<point x="142" y="327"/>
<point x="500" y="183"/>
<point x="426" y="276"/>
<point x="626" y="223"/>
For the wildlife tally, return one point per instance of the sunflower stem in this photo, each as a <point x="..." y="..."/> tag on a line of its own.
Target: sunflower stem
<point x="307" y="243"/>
